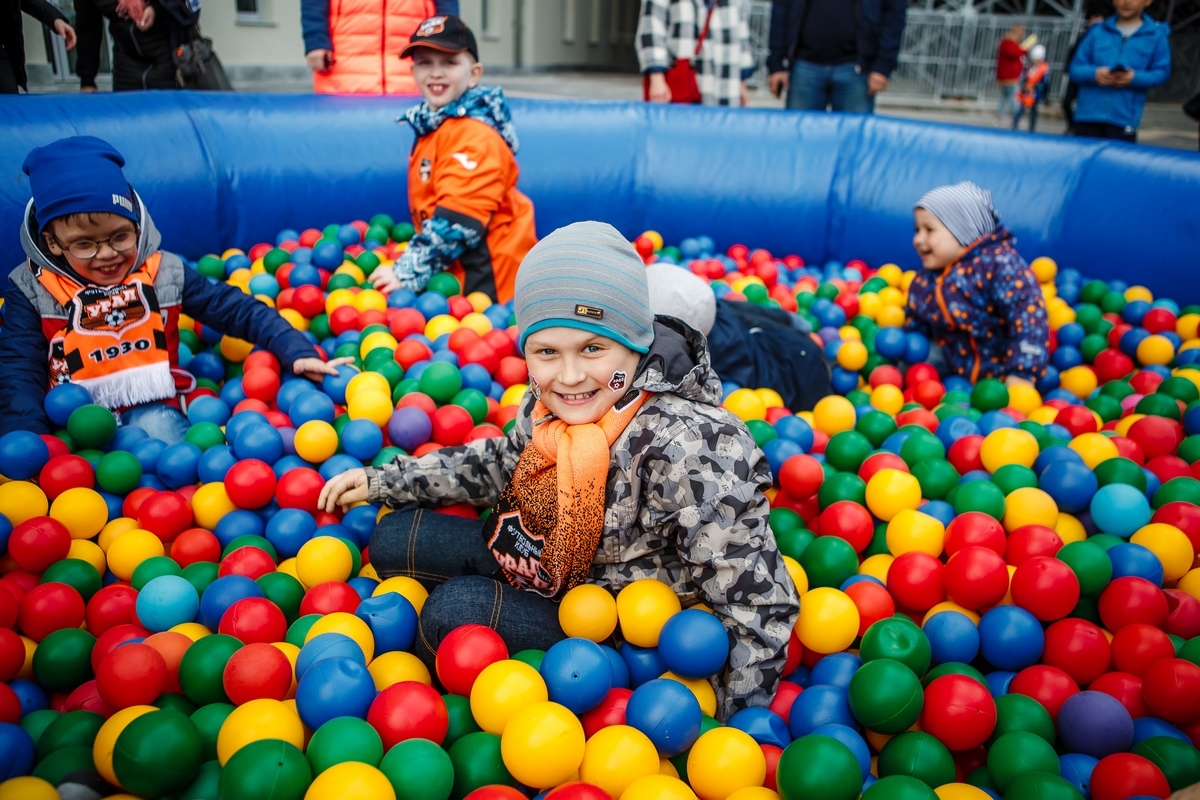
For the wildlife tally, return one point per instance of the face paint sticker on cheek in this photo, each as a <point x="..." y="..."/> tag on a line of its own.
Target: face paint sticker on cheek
<point x="533" y="387"/>
<point x="618" y="381"/>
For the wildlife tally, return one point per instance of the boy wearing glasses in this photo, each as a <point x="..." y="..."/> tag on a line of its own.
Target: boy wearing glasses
<point x="97" y="303"/>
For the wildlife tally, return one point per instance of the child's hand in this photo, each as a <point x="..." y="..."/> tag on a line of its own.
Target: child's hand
<point x="384" y="279"/>
<point x="1104" y="77"/>
<point x="315" y="368"/>
<point x="345" y="490"/>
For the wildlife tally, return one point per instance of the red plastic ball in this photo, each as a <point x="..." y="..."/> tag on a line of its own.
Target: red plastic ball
<point x="37" y="543"/>
<point x="410" y="351"/>
<point x="1129" y="600"/>
<point x="496" y="791"/>
<point x="1050" y="686"/>
<point x="1157" y="436"/>
<point x="1046" y="588"/>
<point x="261" y="359"/>
<point x="459" y="306"/>
<point x="1126" y="688"/>
<point x="344" y="318"/>
<point x="301" y="488"/>
<point x="257" y="671"/>
<point x="8" y="607"/>
<point x="1077" y="420"/>
<point x="1183" y="617"/>
<point x="195" y="545"/>
<point x="481" y="353"/>
<point x="131" y="675"/>
<point x="409" y="710"/>
<point x="111" y="606"/>
<point x="1158" y="320"/>
<point x="1135" y="647"/>
<point x="1128" y="448"/>
<point x="10" y="705"/>
<point x="171" y="646"/>
<point x="464" y="653"/>
<point x="12" y="654"/>
<point x="959" y="712"/>
<point x="1168" y="467"/>
<point x="849" y="521"/>
<point x="326" y="598"/>
<point x="254" y="620"/>
<point x="1112" y="364"/>
<point x="873" y="602"/>
<point x="133" y="501"/>
<point x="919" y="416"/>
<point x="975" y="528"/>
<point x="1079" y="648"/>
<point x="451" y="424"/>
<point x="976" y="577"/>
<point x="418" y="400"/>
<point x="113" y="638"/>
<point x="66" y="472"/>
<point x="879" y="461"/>
<point x="801" y="476"/>
<point x="611" y="711"/>
<point x="964" y="455"/>
<point x="886" y="374"/>
<point x="771" y="754"/>
<point x="916" y="581"/>
<point x="260" y="384"/>
<point x="1184" y="516"/>
<point x="252" y="562"/>
<point x="929" y="393"/>
<point x="166" y="515"/>
<point x="1121" y="776"/>
<point x="781" y="705"/>
<point x="1171" y="689"/>
<point x="577" y="790"/>
<point x="250" y="484"/>
<point x="85" y="697"/>
<point x="49" y="607"/>
<point x="1031" y="541"/>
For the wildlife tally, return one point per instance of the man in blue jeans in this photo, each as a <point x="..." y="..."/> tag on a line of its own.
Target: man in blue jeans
<point x="834" y="54"/>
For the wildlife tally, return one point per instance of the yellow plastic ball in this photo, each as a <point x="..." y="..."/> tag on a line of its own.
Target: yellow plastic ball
<point x="1029" y="506"/>
<point x="193" y="630"/>
<point x="1171" y="545"/>
<point x="643" y="607"/>
<point x="479" y="301"/>
<point x="1069" y="529"/>
<point x="90" y="552"/>
<point x="376" y="340"/>
<point x="588" y="612"/>
<point x="658" y="787"/>
<point x="22" y="500"/>
<point x="542" y="745"/>
<point x="961" y="791"/>
<point x="754" y="793"/>
<point x="700" y="687"/>
<point x="369" y="299"/>
<point x="887" y="398"/>
<point x="852" y="356"/>
<point x="799" y="576"/>
<point x="833" y="414"/>
<point x="292" y="652"/>
<point x="891" y="296"/>
<point x="724" y="760"/>
<point x="877" y="566"/>
<point x="348" y="625"/>
<point x="256" y="720"/>
<point x="27" y="787"/>
<point x="1126" y="422"/>
<point x="440" y="325"/>
<point x="828" y="621"/>
<point x="869" y="305"/>
<point x="113" y="529"/>
<point x="1155" y="349"/>
<point x="913" y="532"/>
<point x="288" y="567"/>
<point x="130" y="549"/>
<point x="1188" y="326"/>
<point x="363" y="381"/>
<point x="316" y="441"/>
<point x="372" y="405"/>
<point x="1138" y="293"/>
<point x="1094" y="448"/>
<point x="948" y="605"/>
<point x="1023" y="396"/>
<point x="240" y="279"/>
<point x="294" y="318"/>
<point x="397" y="667"/>
<point x="410" y="588"/>
<point x="1190" y="583"/>
<point x="655" y="238"/>
<point x="1080" y="381"/>
<point x="338" y="298"/>
<point x="890" y="491"/>
<point x="890" y="316"/>
<point x="501" y="690"/>
<point x="745" y="405"/>
<point x="770" y="398"/>
<point x="890" y="273"/>
<point x="323" y="559"/>
<point x="351" y="780"/>
<point x="210" y="504"/>
<point x="615" y="757"/>
<point x="513" y="395"/>
<point x="83" y="512"/>
<point x="235" y="350"/>
<point x="1005" y="446"/>
<point x="476" y="322"/>
<point x="849" y="333"/>
<point x="26" y="672"/>
<point x="348" y="267"/>
<point x="106" y="739"/>
<point x="1044" y="269"/>
<point x="1042" y="415"/>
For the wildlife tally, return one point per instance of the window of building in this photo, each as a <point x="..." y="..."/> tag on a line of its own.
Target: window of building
<point x="249" y="10"/>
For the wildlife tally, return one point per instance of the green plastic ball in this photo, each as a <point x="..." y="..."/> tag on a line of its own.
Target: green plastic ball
<point x="55" y="767"/>
<point x="1109" y="408"/>
<point x="533" y="657"/>
<point x="201" y="574"/>
<point x="1120" y="470"/>
<point x="954" y="668"/>
<point x="1158" y="405"/>
<point x="1186" y="490"/>
<point x="793" y="543"/>
<point x="284" y="591"/>
<point x="937" y="477"/>
<point x="206" y="784"/>
<point x="899" y="787"/>
<point x="268" y="769"/>
<point x="847" y="450"/>
<point x="444" y="284"/>
<point x="175" y="702"/>
<point x="1189" y="652"/>
<point x="876" y="426"/>
<point x="72" y="729"/>
<point x="299" y="629"/>
<point x="1042" y="786"/>
<point x="989" y="394"/>
<point x="340" y="280"/>
<point x="885" y="696"/>
<point x="920" y="446"/>
<point x="1179" y="388"/>
<point x="898" y="639"/>
<point x="275" y="258"/>
<point x="785" y="521"/>
<point x="475" y="402"/>
<point x="1113" y="302"/>
<point x="761" y="430"/>
<point x="343" y="739"/>
<point x="1019" y="713"/>
<point x="1018" y="753"/>
<point x="402" y="232"/>
<point x="441" y="381"/>
<point x="118" y="472"/>
<point x="208" y="721"/>
<point x="878" y="545"/>
<point x="983" y="496"/>
<point x="251" y="540"/>
<point x="62" y="660"/>
<point x="816" y="767"/>
<point x="202" y="667"/>
<point x="76" y="573"/>
<point x="151" y="568"/>
<point x="1011" y="477"/>
<point x="1092" y="345"/>
<point x="35" y="723"/>
<point x="367" y="261"/>
<point x="842" y="486"/>
<point x="419" y="770"/>
<point x="386" y="456"/>
<point x="1090" y="563"/>
<point x="91" y="426"/>
<point x="211" y="266"/>
<point x="829" y="561"/>
<point x="1178" y="760"/>
<point x="462" y="721"/>
<point x="157" y="754"/>
<point x="477" y="762"/>
<point x="917" y="755"/>
<point x="205" y="435"/>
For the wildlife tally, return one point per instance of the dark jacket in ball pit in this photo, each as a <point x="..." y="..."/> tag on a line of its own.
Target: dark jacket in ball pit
<point x="685" y="505"/>
<point x="986" y="311"/>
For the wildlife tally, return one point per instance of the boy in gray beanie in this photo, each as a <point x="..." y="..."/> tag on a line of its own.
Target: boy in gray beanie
<point x="620" y="466"/>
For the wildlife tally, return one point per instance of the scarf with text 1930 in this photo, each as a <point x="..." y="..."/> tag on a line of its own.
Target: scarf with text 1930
<point x="546" y="527"/>
<point x="113" y="341"/>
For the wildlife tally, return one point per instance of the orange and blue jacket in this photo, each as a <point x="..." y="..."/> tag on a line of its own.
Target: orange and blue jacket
<point x="986" y="311"/>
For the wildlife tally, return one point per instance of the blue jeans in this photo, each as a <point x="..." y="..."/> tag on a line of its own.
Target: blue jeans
<point x="448" y="556"/>
<point x="1008" y="101"/>
<point x="840" y="87"/>
<point x="163" y="422"/>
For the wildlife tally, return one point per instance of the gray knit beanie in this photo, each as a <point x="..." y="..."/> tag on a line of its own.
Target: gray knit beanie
<point x="965" y="209"/>
<point x="585" y="276"/>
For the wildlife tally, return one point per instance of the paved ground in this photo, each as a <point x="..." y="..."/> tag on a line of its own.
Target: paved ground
<point x="1163" y="124"/>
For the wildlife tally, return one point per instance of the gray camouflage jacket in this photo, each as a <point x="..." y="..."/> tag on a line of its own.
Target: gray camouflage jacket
<point x="685" y="506"/>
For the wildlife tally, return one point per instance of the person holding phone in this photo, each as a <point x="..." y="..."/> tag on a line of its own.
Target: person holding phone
<point x="1119" y="61"/>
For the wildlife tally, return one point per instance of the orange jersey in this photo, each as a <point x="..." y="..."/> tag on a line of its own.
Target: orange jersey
<point x="466" y="173"/>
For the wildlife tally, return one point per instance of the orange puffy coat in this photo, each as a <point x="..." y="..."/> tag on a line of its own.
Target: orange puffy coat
<point x="368" y="37"/>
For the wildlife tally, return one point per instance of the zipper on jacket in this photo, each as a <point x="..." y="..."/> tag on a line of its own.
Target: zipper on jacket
<point x="941" y="301"/>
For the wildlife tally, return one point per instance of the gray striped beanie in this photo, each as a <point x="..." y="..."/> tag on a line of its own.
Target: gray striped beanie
<point x="585" y="276"/>
<point x="965" y="210"/>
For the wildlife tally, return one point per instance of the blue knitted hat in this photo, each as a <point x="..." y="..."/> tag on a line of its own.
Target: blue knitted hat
<point x="585" y="276"/>
<point x="78" y="175"/>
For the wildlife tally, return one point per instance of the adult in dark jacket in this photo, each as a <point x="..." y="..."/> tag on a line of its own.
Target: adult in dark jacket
<point x="143" y="47"/>
<point x="834" y="54"/>
<point x="1095" y="11"/>
<point x="12" y="38"/>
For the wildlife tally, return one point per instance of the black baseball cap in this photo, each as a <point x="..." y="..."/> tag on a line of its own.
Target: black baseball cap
<point x="446" y="33"/>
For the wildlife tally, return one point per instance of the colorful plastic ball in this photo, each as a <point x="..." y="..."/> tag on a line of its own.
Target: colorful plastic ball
<point x="849" y="521"/>
<point x="392" y="620"/>
<point x="1130" y="600"/>
<point x="202" y="667"/>
<point x="1010" y="638"/>
<point x="82" y="510"/>
<point x="351" y="780"/>
<point x="419" y="770"/>
<point x="323" y="559"/>
<point x="1119" y="509"/>
<point x="1050" y="686"/>
<point x="1178" y="760"/>
<point x="916" y="580"/>
<point x="819" y="767"/>
<point x="267" y="768"/>
<point x="976" y="577"/>
<point x="250" y="484"/>
<point x="131" y="675"/>
<point x="342" y="740"/>
<point x="953" y="637"/>
<point x="914" y="532"/>
<point x="49" y="607"/>
<point x="1171" y="690"/>
<point x="650" y="787"/>
<point x="300" y="488"/>
<point x="1045" y="587"/>
<point x="1172" y="547"/>
<point x="1008" y="446"/>
<point x="334" y="687"/>
<point x="724" y="760"/>
<point x="1070" y="484"/>
<point x="504" y="687"/>
<point x="1124" y="775"/>
<point x="408" y="710"/>
<point x="1079" y="648"/>
<point x="464" y="653"/>
<point x="589" y="612"/>
<point x="616" y="756"/>
<point x="918" y="755"/>
<point x="543" y="745"/>
<point x="885" y="696"/>
<point x="167" y="601"/>
<point x="36" y="543"/>
<point x="668" y="713"/>
<point x="819" y="705"/>
<point x="158" y="753"/>
<point x="828" y="621"/>
<point x="577" y="673"/>
<point x="1095" y="724"/>
<point x="255" y="672"/>
<point x="643" y="607"/>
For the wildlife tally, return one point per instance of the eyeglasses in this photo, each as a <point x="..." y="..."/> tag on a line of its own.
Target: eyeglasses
<point x="86" y="249"/>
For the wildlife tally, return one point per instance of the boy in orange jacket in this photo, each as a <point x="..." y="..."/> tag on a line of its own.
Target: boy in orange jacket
<point x="462" y="173"/>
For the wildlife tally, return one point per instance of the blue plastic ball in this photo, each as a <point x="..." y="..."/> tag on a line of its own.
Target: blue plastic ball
<point x="577" y="674"/>
<point x="431" y="304"/>
<point x="242" y="420"/>
<point x="1119" y="509"/>
<point x="694" y="644"/>
<point x="795" y="429"/>
<point x="309" y="406"/>
<point x="998" y="682"/>
<point x="644" y="663"/>
<point x="392" y="619"/>
<point x="167" y="601"/>
<point x="952" y="637"/>
<point x="323" y="646"/>
<point x="836" y="669"/>
<point x="360" y="522"/>
<point x="1149" y="727"/>
<point x="667" y="712"/>
<point x="1076" y="769"/>
<point x="335" y="385"/>
<point x="328" y="256"/>
<point x="61" y="400"/>
<point x="260" y="442"/>
<point x="1070" y="483"/>
<point x="1134" y="560"/>
<point x="853" y="740"/>
<point x="177" y="465"/>
<point x="1095" y="724"/>
<point x="221" y="594"/>
<point x="819" y="705"/>
<point x="215" y="463"/>
<point x="362" y="439"/>
<point x="1010" y="638"/>
<point x="334" y="687"/>
<point x="620" y="671"/>
<point x="16" y="751"/>
<point x="237" y="523"/>
<point x="916" y="347"/>
<point x="22" y="455"/>
<point x="763" y="725"/>
<point x="778" y="451"/>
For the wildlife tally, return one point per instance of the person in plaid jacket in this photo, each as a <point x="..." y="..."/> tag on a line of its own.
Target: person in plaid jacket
<point x="668" y="30"/>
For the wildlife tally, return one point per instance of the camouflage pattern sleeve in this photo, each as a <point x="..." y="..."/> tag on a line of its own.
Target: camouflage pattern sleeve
<point x="707" y="483"/>
<point x="472" y="473"/>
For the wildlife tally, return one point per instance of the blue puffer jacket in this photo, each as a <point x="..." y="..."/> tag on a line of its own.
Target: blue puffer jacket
<point x="1147" y="52"/>
<point x="986" y="311"/>
<point x="880" y="30"/>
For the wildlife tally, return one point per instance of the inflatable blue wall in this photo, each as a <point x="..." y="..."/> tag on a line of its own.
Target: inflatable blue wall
<point x="226" y="170"/>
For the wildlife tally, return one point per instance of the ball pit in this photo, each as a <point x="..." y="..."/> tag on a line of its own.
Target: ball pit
<point x="986" y="571"/>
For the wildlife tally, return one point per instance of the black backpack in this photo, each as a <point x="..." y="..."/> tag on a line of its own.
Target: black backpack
<point x="196" y="63"/>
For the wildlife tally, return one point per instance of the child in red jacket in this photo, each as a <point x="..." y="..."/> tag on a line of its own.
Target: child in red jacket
<point x="1009" y="62"/>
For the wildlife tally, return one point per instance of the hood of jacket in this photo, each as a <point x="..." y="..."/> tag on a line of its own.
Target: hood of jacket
<point x="678" y="362"/>
<point x="40" y="256"/>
